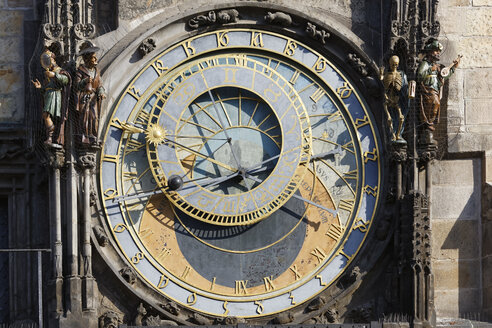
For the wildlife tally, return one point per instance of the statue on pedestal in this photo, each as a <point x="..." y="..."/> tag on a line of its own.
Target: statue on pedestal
<point x="55" y="91"/>
<point x="430" y="78"/>
<point x="89" y="94"/>
<point x="395" y="99"/>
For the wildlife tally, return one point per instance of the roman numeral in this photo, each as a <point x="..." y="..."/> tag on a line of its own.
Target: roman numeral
<point x="294" y="77"/>
<point x="335" y="232"/>
<point x="319" y="254"/>
<point x="268" y="281"/>
<point x="241" y="287"/>
<point x="297" y="275"/>
<point x="346" y="204"/>
<point x="316" y="96"/>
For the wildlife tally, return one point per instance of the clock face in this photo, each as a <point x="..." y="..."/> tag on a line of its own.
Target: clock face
<point x="240" y="173"/>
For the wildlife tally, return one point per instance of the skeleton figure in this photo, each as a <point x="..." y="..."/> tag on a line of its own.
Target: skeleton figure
<point x="395" y="99"/>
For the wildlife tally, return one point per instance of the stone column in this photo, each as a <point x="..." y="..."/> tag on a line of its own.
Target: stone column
<point x="87" y="163"/>
<point x="57" y="157"/>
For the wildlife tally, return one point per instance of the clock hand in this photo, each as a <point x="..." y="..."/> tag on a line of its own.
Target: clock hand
<point x="229" y="140"/>
<point x="230" y="168"/>
<point x="334" y="212"/>
<point x="209" y="182"/>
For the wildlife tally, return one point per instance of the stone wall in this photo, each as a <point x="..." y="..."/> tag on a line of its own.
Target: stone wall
<point x="13" y="15"/>
<point x="461" y="198"/>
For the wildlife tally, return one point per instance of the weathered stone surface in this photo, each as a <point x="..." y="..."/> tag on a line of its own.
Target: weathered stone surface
<point x="478" y="22"/>
<point x="487" y="271"/>
<point x="477" y="83"/>
<point x="465" y="142"/>
<point x="19" y="3"/>
<point x="456" y="3"/>
<point x="455" y="239"/>
<point x="11" y="22"/>
<point x="11" y="78"/>
<point x="487" y="237"/>
<point x="451" y="303"/>
<point x="454" y="274"/>
<point x="11" y="109"/>
<point x="475" y="51"/>
<point x="478" y="111"/>
<point x="481" y="3"/>
<point x="455" y="202"/>
<point x="461" y="172"/>
<point x="455" y="86"/>
<point x="11" y="50"/>
<point x="448" y="16"/>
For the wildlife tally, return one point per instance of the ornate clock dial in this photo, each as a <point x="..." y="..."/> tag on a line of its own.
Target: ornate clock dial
<point x="278" y="166"/>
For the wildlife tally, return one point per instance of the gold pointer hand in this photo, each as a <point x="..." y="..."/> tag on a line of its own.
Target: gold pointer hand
<point x="210" y="159"/>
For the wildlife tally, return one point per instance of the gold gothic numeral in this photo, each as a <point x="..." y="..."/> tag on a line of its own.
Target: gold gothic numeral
<point x="321" y="282"/>
<point x="135" y="92"/>
<point x="361" y="225"/>
<point x="360" y="122"/>
<point x="259" y="308"/>
<point x="297" y="275"/>
<point x="241" y="60"/>
<point x="319" y="254"/>
<point x="370" y="155"/>
<point x="230" y="75"/>
<point x="110" y="193"/>
<point x="371" y="190"/>
<point x="290" y="48"/>
<point x="142" y="117"/>
<point x="110" y="158"/>
<point x="347" y="204"/>
<point x="294" y="77"/>
<point x="120" y="227"/>
<point x="291" y="297"/>
<point x="316" y="96"/>
<point x="133" y="145"/>
<point x="185" y="273"/>
<point x="159" y="67"/>
<point x="129" y="176"/>
<point x="163" y="281"/>
<point x="350" y="175"/>
<point x="226" y="310"/>
<point x="320" y="65"/>
<point x="344" y="91"/>
<point x="222" y="39"/>
<point x="191" y="299"/>
<point x="257" y="39"/>
<point x="163" y="254"/>
<point x="212" y="284"/>
<point x="241" y="287"/>
<point x="229" y="206"/>
<point x="268" y="282"/>
<point x="137" y="257"/>
<point x="335" y="232"/>
<point x="188" y="48"/>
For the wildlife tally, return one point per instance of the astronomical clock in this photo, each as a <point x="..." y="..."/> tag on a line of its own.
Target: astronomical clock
<point x="240" y="172"/>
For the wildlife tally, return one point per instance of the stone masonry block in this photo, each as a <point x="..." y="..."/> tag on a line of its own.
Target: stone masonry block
<point x="481" y="3"/>
<point x="453" y="302"/>
<point x="455" y="240"/>
<point x="11" y="78"/>
<point x="11" y="50"/>
<point x="487" y="271"/>
<point x="475" y="51"/>
<point x="10" y="109"/>
<point x="452" y="274"/>
<point x="477" y="111"/>
<point x="455" y="202"/>
<point x="448" y="16"/>
<point x="11" y="22"/>
<point x="455" y="86"/>
<point x="19" y="3"/>
<point x="477" y="83"/>
<point x="478" y="21"/>
<point x="487" y="238"/>
<point x="459" y="172"/>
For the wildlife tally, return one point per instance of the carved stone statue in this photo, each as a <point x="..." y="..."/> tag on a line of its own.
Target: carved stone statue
<point x="395" y="99"/>
<point x="430" y="78"/>
<point x="55" y="91"/>
<point x="89" y="94"/>
<point x="278" y="18"/>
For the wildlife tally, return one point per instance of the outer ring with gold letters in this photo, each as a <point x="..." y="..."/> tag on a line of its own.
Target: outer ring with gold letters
<point x="327" y="81"/>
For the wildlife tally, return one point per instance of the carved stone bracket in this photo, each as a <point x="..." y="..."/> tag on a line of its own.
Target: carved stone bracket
<point x="87" y="160"/>
<point x="278" y="18"/>
<point x="358" y="64"/>
<point x="427" y="153"/>
<point x="146" y="47"/>
<point x="398" y="152"/>
<point x="56" y="158"/>
<point x="212" y="17"/>
<point x="316" y="33"/>
<point x="129" y="275"/>
<point x="110" y="319"/>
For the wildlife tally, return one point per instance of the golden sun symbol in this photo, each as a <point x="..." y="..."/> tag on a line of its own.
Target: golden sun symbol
<point x="155" y="134"/>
